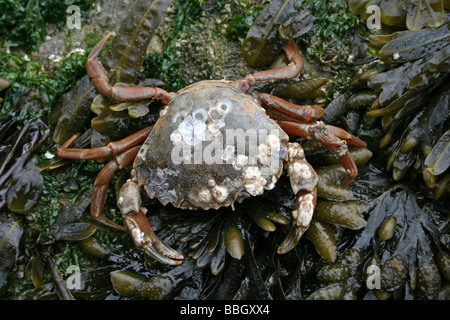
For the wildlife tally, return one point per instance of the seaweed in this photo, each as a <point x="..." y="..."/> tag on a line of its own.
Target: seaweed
<point x="415" y="15"/>
<point x="398" y="261"/>
<point x="122" y="61"/>
<point x="23" y="24"/>
<point x="263" y="42"/>
<point x="412" y="100"/>
<point x="21" y="182"/>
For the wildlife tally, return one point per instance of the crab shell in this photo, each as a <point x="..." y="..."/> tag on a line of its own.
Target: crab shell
<point x="213" y="145"/>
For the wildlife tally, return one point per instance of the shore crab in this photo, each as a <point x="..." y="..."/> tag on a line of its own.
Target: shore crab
<point x="213" y="145"/>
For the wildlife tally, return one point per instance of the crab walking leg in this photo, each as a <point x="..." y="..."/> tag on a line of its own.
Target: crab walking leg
<point x="291" y="71"/>
<point x="303" y="180"/>
<point x="305" y="113"/>
<point x="104" y="177"/>
<point x="100" y="81"/>
<point x="101" y="184"/>
<point x="139" y="227"/>
<point x="331" y="137"/>
<point x="111" y="149"/>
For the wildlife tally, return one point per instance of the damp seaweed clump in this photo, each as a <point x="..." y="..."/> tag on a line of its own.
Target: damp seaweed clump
<point x="406" y="92"/>
<point x="29" y="88"/>
<point x="392" y="258"/>
<point x="26" y="104"/>
<point x="414" y="15"/>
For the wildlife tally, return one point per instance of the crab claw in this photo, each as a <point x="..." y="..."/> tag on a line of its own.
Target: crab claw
<point x="139" y="227"/>
<point x="332" y="137"/>
<point x="344" y="135"/>
<point x="144" y="238"/>
<point x="302" y="215"/>
<point x="303" y="180"/>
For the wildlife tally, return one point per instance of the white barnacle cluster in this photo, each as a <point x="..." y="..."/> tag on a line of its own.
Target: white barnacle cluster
<point x="191" y="130"/>
<point x="303" y="214"/>
<point x="213" y="191"/>
<point x="301" y="175"/>
<point x="295" y="151"/>
<point x="201" y="124"/>
<point x="256" y="179"/>
<point x="240" y="161"/>
<point x="263" y="155"/>
<point x="260" y="170"/>
<point x="223" y="193"/>
<point x="271" y="184"/>
<point x="204" y="195"/>
<point x="220" y="193"/>
<point x="254" y="182"/>
<point x="268" y="152"/>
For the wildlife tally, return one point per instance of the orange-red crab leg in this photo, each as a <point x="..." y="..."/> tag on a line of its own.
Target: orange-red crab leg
<point x="303" y="180"/>
<point x="329" y="136"/>
<point x="135" y="221"/>
<point x="122" y="159"/>
<point x="111" y="149"/>
<point x="139" y="227"/>
<point x="100" y="81"/>
<point x="305" y="113"/>
<point x="291" y="71"/>
<point x="101" y="184"/>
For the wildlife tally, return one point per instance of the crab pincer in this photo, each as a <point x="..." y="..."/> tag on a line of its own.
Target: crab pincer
<point x="139" y="227"/>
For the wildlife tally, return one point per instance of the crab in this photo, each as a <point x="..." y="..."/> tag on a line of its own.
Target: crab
<point x="213" y="145"/>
